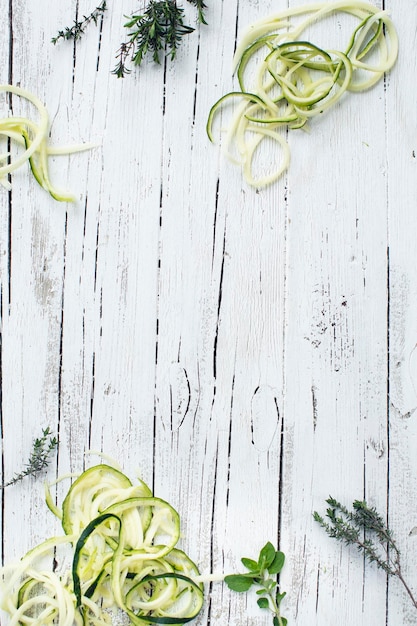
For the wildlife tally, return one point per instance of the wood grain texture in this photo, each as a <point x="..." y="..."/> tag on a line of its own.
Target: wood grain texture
<point x="246" y="351"/>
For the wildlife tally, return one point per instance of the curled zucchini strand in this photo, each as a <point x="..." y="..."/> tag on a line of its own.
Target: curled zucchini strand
<point x="32" y="140"/>
<point x="122" y="543"/>
<point x="285" y="81"/>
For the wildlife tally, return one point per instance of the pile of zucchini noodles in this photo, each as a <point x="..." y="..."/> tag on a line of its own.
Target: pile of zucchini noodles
<point x="295" y="80"/>
<point x="123" y="560"/>
<point x="32" y="139"/>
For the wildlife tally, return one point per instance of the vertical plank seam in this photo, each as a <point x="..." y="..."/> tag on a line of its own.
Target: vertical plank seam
<point x="158" y="276"/>
<point x="219" y="305"/>
<point x="388" y="339"/>
<point x="74" y="49"/>
<point x="388" y="413"/>
<point x="213" y="508"/>
<point x="9" y="286"/>
<point x="9" y="194"/>
<point x="61" y="340"/>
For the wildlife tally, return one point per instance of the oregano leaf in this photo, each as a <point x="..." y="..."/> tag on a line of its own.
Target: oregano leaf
<point x="238" y="582"/>
<point x="266" y="556"/>
<point x="250" y="564"/>
<point x="263" y="603"/>
<point x="278" y="563"/>
<point x="279" y="597"/>
<point x="262" y="575"/>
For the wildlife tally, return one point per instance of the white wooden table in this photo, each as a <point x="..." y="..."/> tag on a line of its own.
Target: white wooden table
<point x="247" y="352"/>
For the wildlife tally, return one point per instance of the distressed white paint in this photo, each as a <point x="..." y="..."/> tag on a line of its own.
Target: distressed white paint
<point x="248" y="352"/>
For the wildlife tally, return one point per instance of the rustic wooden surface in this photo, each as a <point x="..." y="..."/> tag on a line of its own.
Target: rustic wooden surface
<point x="247" y="352"/>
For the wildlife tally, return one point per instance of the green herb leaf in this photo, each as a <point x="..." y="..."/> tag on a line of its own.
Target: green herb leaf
<point x="277" y="564"/>
<point x="42" y="449"/>
<point x="365" y="529"/>
<point x="201" y="6"/>
<point x="280" y="596"/>
<point x="250" y="564"/>
<point x="266" y="556"/>
<point x="262" y="574"/>
<point x="159" y="29"/>
<point x="155" y="29"/>
<point x="76" y="31"/>
<point x="263" y="603"/>
<point x="238" y="582"/>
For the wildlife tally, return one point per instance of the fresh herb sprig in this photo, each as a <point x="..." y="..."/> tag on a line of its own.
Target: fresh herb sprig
<point x="160" y="27"/>
<point x="262" y="574"/>
<point x="364" y="528"/>
<point x="76" y="31"/>
<point x="42" y="449"/>
<point x="201" y="7"/>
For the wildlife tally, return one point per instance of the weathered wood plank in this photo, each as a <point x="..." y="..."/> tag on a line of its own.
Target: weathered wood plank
<point x="246" y="351"/>
<point x="335" y="394"/>
<point x="401" y="182"/>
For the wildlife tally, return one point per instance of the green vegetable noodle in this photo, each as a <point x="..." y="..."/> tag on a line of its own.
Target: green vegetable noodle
<point x="32" y="139"/>
<point x="121" y="545"/>
<point x="285" y="80"/>
<point x="124" y="559"/>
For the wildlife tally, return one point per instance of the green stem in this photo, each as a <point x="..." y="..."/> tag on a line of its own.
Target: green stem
<point x="399" y="575"/>
<point x="275" y="608"/>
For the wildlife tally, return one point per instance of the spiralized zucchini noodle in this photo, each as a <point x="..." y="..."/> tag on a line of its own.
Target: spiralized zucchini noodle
<point x="124" y="560"/>
<point x="31" y="137"/>
<point x="293" y="80"/>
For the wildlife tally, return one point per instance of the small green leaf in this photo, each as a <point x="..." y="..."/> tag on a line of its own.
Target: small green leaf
<point x="238" y="582"/>
<point x="263" y="603"/>
<point x="279" y="597"/>
<point x="277" y="564"/>
<point x="317" y="518"/>
<point x="250" y="564"/>
<point x="261" y="576"/>
<point x="266" y="556"/>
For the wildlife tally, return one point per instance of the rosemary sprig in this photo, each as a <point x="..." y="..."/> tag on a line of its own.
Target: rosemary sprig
<point x="262" y="574"/>
<point x="76" y="31"/>
<point x="42" y="449"/>
<point x="201" y="6"/>
<point x="364" y="528"/>
<point x="160" y="27"/>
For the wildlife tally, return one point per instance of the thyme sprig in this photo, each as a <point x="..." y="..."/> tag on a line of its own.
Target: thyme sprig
<point x="262" y="574"/>
<point x="160" y="27"/>
<point x="42" y="449"/>
<point x="364" y="528"/>
<point x="76" y="31"/>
